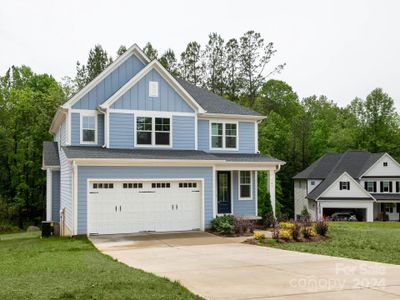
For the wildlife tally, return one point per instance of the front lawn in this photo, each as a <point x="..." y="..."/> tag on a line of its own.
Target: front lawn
<point x="71" y="268"/>
<point x="378" y="241"/>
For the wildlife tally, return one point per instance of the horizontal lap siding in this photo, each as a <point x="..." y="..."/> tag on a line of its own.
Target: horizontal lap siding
<point x="121" y="130"/>
<point x="243" y="207"/>
<point x="63" y="133"/>
<point x="203" y="135"/>
<point x="84" y="173"/>
<point x="109" y="85"/>
<point x="247" y="137"/>
<point x="55" y="191"/>
<point x="137" y="97"/>
<point x="76" y="130"/>
<point x="66" y="188"/>
<point x="183" y="133"/>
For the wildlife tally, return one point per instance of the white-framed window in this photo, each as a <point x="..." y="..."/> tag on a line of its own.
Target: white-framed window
<point x="344" y="185"/>
<point x="385" y="164"/>
<point x="153" y="89"/>
<point x="385" y="187"/>
<point x="88" y="129"/>
<point x="370" y="186"/>
<point x="312" y="182"/>
<point x="245" y="186"/>
<point x="224" y="135"/>
<point x="153" y="131"/>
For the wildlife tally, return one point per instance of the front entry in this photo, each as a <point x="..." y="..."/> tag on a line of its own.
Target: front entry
<point x="224" y="192"/>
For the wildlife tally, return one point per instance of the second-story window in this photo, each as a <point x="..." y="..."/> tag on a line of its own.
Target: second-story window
<point x="370" y="186"/>
<point x="88" y="134"/>
<point x="223" y="135"/>
<point x="153" y="131"/>
<point x="386" y="186"/>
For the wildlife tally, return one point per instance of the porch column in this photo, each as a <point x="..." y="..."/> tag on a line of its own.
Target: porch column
<point x="271" y="188"/>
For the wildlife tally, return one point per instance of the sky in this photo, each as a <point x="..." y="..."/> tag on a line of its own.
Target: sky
<point x="341" y="49"/>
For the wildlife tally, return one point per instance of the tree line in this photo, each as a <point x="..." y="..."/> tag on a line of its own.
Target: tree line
<point x="296" y="130"/>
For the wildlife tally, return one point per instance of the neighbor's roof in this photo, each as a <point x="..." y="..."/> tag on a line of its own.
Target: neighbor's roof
<point x="82" y="152"/>
<point x="331" y="166"/>
<point x="50" y="154"/>
<point x="213" y="103"/>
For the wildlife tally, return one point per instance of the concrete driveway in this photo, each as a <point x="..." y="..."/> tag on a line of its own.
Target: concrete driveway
<point x="223" y="268"/>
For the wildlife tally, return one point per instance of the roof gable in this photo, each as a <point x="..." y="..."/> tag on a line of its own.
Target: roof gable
<point x="137" y="97"/>
<point x="377" y="168"/>
<point x="125" y="66"/>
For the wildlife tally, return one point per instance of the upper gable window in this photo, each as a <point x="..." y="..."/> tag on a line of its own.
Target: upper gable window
<point x="153" y="89"/>
<point x="344" y="185"/>
<point x="88" y="129"/>
<point x="223" y="135"/>
<point x="385" y="164"/>
<point x="153" y="131"/>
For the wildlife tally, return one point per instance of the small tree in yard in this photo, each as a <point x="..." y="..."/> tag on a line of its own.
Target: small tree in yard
<point x="305" y="215"/>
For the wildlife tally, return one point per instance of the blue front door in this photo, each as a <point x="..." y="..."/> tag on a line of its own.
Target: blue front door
<point x="224" y="192"/>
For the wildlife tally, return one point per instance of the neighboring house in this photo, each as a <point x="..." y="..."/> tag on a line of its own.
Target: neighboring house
<point x="139" y="150"/>
<point x="367" y="184"/>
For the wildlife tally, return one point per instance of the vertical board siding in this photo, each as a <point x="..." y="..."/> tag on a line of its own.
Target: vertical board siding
<point x="76" y="130"/>
<point x="203" y="135"/>
<point x="55" y="196"/>
<point x="247" y="137"/>
<point x="137" y="97"/>
<point x="121" y="130"/>
<point x="84" y="173"/>
<point x="109" y="85"/>
<point x="66" y="189"/>
<point x="243" y="207"/>
<point x="183" y="132"/>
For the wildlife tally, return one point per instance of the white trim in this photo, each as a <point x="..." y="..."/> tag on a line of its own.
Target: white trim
<point x="49" y="195"/>
<point x="352" y="180"/>
<point x="74" y="198"/>
<point x="134" y="49"/>
<point x="232" y="213"/>
<point x="256" y="137"/>
<point x="196" y="133"/>
<point x="223" y="122"/>
<point x="69" y="128"/>
<point x="216" y="192"/>
<point x="256" y="191"/>
<point x="202" y="206"/>
<point x="378" y="161"/>
<point x="89" y="113"/>
<point x="251" y="186"/>
<point x="207" y="116"/>
<point x="155" y="64"/>
<point x="150" y="113"/>
<point x="153" y="131"/>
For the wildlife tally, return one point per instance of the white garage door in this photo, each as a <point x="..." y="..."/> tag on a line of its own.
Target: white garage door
<point x="136" y="206"/>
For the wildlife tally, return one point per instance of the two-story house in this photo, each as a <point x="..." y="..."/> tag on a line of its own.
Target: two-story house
<point x="366" y="184"/>
<point x="139" y="150"/>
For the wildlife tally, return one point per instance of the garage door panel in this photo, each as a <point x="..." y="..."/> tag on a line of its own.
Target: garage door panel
<point x="145" y="206"/>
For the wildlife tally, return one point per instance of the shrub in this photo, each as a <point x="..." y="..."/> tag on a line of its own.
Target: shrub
<point x="223" y="224"/>
<point x="8" y="228"/>
<point x="285" y="234"/>
<point x="269" y="220"/>
<point x="309" y="232"/>
<point x="275" y="231"/>
<point x="296" y="231"/>
<point x="259" y="237"/>
<point x="282" y="217"/>
<point x="271" y="242"/>
<point x="286" y="225"/>
<point x="242" y="226"/>
<point x="322" y="227"/>
<point x="305" y="215"/>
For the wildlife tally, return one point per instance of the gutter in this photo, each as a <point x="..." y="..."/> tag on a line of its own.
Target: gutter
<point x="103" y="110"/>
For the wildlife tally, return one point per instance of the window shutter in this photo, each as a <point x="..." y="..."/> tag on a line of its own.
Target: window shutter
<point x="374" y="186"/>
<point x="397" y="186"/>
<point x="390" y="186"/>
<point x="340" y="185"/>
<point x="365" y="185"/>
<point x="348" y="185"/>
<point x="381" y="186"/>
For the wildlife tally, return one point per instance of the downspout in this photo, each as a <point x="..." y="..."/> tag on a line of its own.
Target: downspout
<point x="104" y="112"/>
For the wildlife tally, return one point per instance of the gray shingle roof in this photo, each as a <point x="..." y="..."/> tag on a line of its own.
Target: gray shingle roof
<point x="213" y="103"/>
<point x="331" y="166"/>
<point x="98" y="152"/>
<point x="386" y="196"/>
<point x="50" y="154"/>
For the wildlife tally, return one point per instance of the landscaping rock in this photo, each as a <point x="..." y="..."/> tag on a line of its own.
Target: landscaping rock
<point x="32" y="228"/>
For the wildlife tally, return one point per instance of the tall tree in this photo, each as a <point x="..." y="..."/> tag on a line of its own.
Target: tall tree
<point x="150" y="51"/>
<point x="255" y="54"/>
<point x="214" y="61"/>
<point x="230" y="78"/>
<point x="192" y="65"/>
<point x="121" y="50"/>
<point x="168" y="60"/>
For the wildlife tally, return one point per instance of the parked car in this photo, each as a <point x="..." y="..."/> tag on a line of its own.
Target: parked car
<point x="343" y="216"/>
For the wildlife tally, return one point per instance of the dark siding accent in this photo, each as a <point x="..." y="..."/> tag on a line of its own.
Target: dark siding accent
<point x="381" y="187"/>
<point x="365" y="185"/>
<point x="348" y="185"/>
<point x="374" y="186"/>
<point x="397" y="187"/>
<point x="390" y="186"/>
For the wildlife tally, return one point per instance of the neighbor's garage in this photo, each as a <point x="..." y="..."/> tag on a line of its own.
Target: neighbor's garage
<point x="363" y="209"/>
<point x="140" y="206"/>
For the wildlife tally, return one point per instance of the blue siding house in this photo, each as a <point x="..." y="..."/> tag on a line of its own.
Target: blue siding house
<point x="139" y="150"/>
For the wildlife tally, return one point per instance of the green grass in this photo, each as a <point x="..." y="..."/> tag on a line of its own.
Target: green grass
<point x="378" y="241"/>
<point x="71" y="268"/>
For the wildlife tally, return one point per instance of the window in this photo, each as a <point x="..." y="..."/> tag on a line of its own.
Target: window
<point x="312" y="182"/>
<point x="103" y="185"/>
<point x="153" y="89"/>
<point x="187" y="185"/>
<point x="389" y="207"/>
<point x="344" y="185"/>
<point x="153" y="131"/>
<point x="370" y="186"/>
<point x="88" y="132"/>
<point x="223" y="135"/>
<point x="132" y="185"/>
<point x="386" y="186"/>
<point x="244" y="185"/>
<point x="160" y="185"/>
<point x="385" y="164"/>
